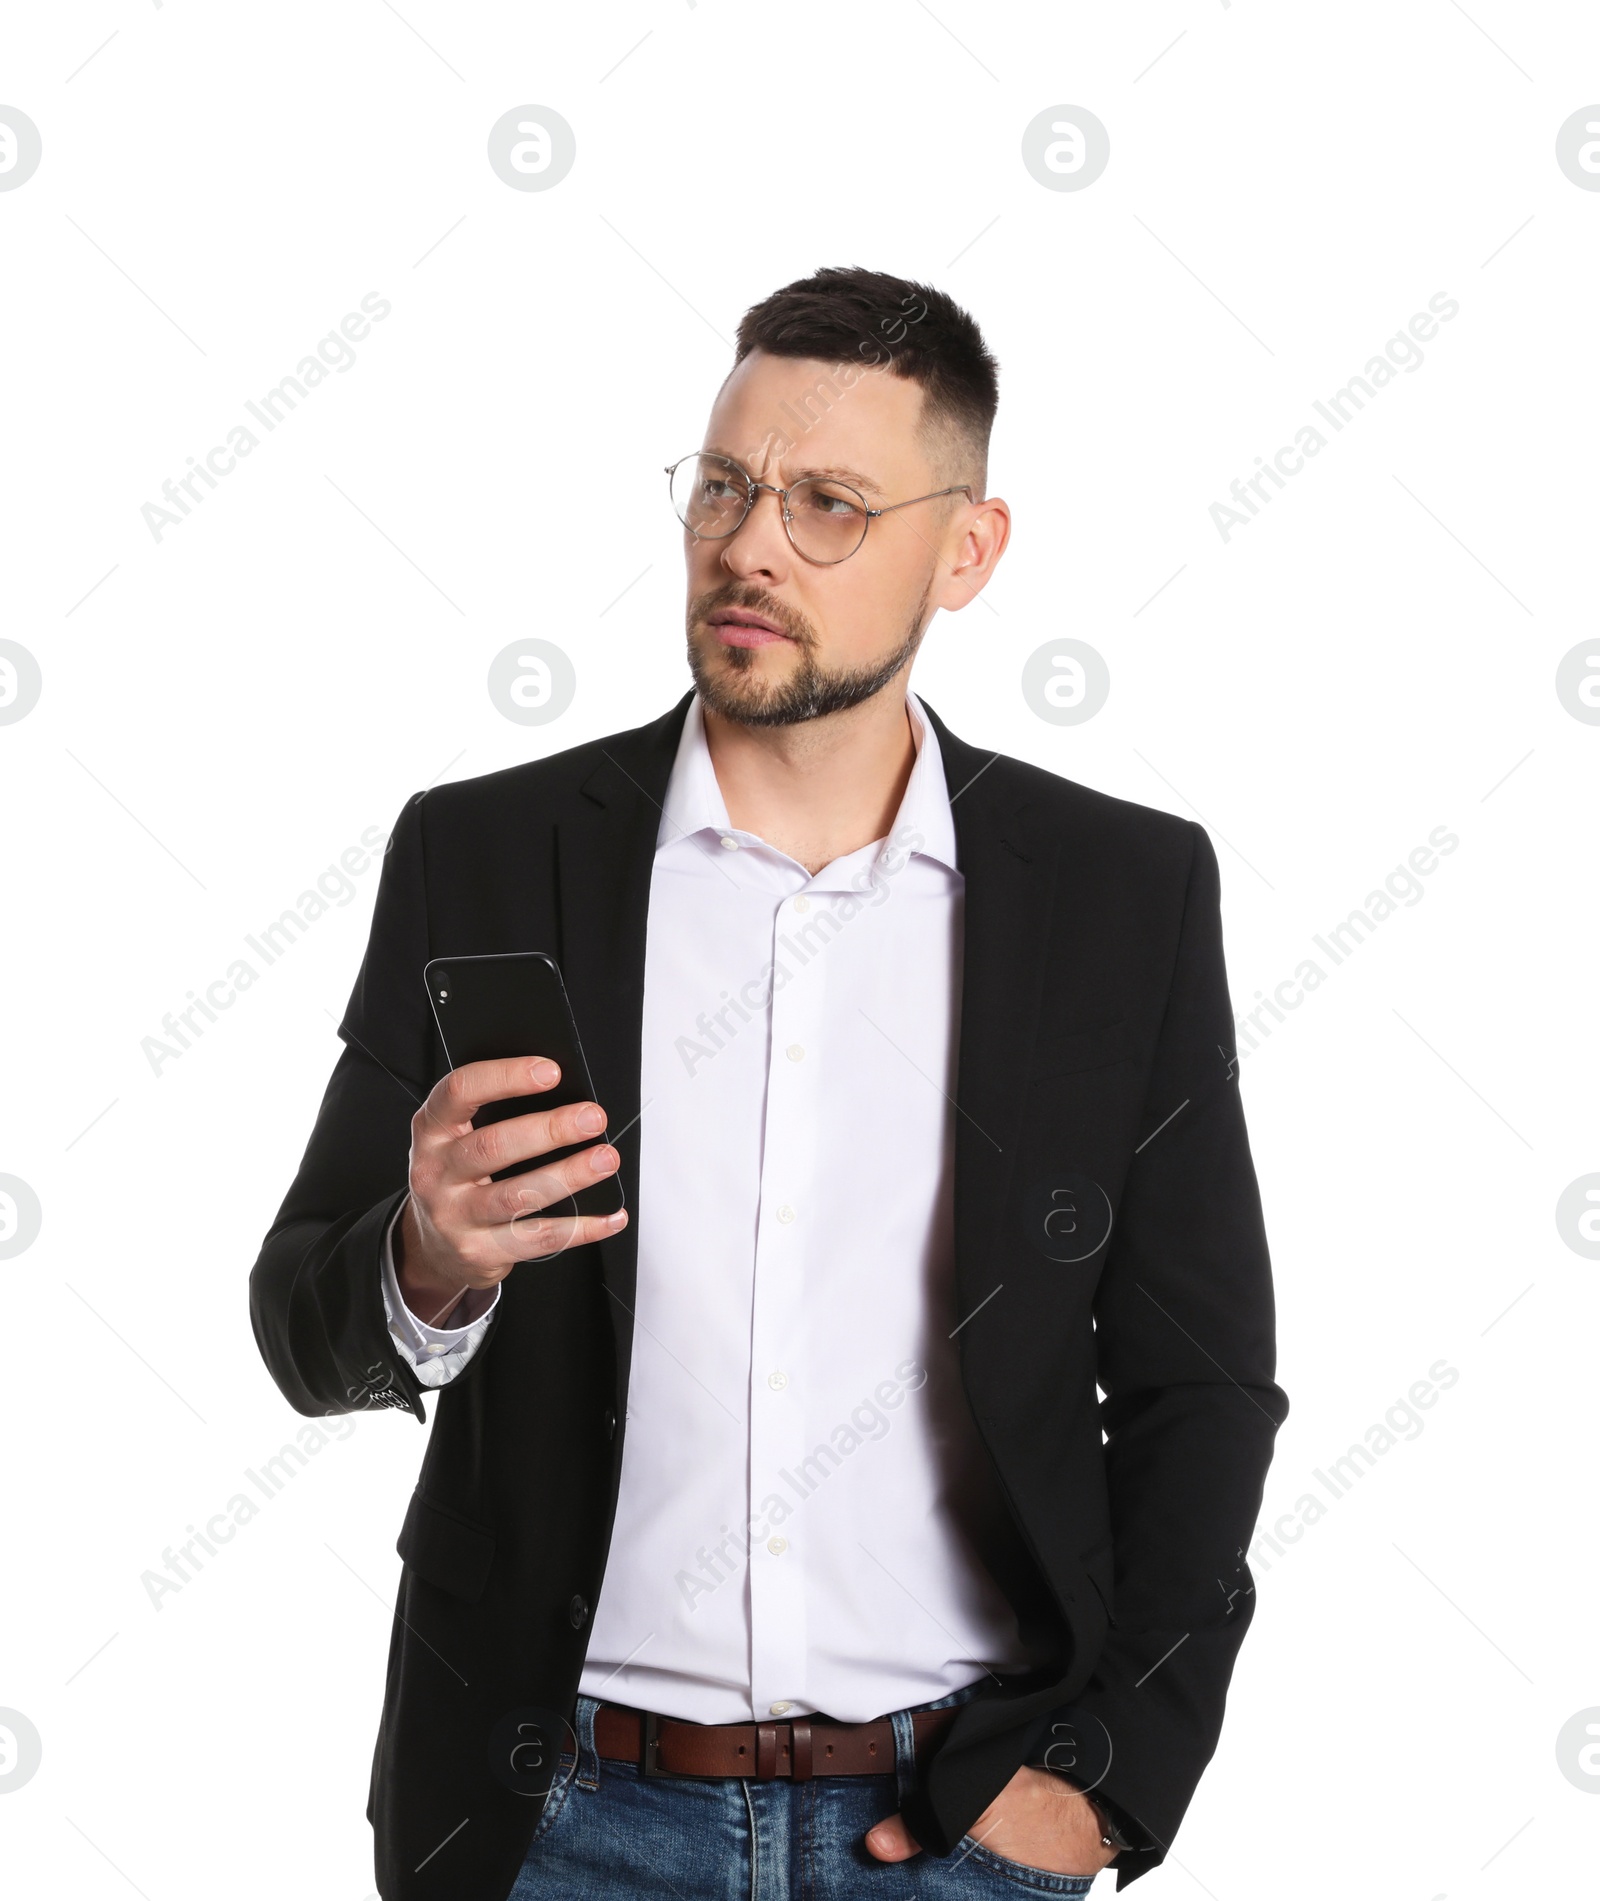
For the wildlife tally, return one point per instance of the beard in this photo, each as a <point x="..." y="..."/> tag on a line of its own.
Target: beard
<point x="736" y="690"/>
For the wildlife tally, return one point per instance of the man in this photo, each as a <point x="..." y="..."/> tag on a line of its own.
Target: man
<point x="772" y="1533"/>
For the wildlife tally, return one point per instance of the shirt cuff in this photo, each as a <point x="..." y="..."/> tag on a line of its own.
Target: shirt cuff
<point x="436" y="1354"/>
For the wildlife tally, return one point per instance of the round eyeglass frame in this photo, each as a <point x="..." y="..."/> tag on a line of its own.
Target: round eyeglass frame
<point x="753" y="488"/>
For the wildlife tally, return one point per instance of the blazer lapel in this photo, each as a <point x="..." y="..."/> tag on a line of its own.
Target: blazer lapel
<point x="1008" y="857"/>
<point x="605" y="851"/>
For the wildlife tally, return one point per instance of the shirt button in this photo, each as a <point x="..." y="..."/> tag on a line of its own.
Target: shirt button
<point x="801" y="904"/>
<point x="777" y="1546"/>
<point x="578" y="1611"/>
<point x="796" y="1052"/>
<point x="777" y="1381"/>
<point x="786" y="1213"/>
<point x="729" y="844"/>
<point x="437" y="1346"/>
<point x="780" y="1709"/>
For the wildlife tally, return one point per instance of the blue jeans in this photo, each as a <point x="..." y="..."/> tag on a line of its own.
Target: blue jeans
<point x="608" y="1833"/>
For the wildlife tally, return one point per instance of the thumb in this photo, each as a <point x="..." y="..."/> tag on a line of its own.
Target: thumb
<point x="892" y="1840"/>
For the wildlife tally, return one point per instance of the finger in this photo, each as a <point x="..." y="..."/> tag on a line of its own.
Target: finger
<point x="485" y="1255"/>
<point x="551" y="1187"/>
<point x="476" y="1153"/>
<point x="457" y="1097"/>
<point x="892" y="1840"/>
<point x="541" y="1237"/>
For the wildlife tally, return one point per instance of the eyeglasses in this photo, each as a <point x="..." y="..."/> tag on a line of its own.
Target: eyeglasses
<point x="825" y="520"/>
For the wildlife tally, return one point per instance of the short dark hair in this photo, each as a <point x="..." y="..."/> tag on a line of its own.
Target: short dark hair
<point x="850" y="315"/>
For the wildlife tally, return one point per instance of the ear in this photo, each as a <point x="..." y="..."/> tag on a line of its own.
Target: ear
<point x="978" y="538"/>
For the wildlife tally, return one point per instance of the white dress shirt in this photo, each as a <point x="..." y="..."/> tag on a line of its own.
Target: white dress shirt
<point x="802" y="1482"/>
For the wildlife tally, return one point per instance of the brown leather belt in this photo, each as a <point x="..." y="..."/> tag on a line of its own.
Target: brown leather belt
<point x="799" y="1748"/>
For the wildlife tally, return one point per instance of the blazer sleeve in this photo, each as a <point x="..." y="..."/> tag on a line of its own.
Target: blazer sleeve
<point x="316" y="1295"/>
<point x="1185" y="1342"/>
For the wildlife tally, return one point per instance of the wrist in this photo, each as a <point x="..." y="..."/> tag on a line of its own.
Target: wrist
<point x="430" y="1301"/>
<point x="428" y="1297"/>
<point x="1107" y="1820"/>
<point x="1111" y="1833"/>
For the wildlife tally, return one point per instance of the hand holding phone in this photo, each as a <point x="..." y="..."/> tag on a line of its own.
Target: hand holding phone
<point x="505" y="1164"/>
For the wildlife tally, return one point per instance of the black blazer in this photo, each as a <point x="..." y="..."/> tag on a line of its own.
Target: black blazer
<point x="1103" y="1183"/>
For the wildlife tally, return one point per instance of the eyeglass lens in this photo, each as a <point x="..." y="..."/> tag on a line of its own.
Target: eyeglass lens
<point x="827" y="521"/>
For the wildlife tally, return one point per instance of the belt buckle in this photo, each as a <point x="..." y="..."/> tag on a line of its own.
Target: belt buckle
<point x="649" y="1725"/>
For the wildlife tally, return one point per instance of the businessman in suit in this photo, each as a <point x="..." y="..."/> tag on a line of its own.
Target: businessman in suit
<point x="772" y="1535"/>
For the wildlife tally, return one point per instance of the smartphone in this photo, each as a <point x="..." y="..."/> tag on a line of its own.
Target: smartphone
<point x="512" y="1005"/>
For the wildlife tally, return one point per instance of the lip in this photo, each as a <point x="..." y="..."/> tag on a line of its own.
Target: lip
<point x="737" y="628"/>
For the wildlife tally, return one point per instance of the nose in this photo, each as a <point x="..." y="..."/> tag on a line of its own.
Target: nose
<point x="760" y="545"/>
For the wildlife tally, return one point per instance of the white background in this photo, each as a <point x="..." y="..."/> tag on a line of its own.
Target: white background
<point x="226" y="710"/>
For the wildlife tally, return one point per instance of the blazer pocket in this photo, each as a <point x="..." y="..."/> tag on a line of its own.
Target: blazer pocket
<point x="446" y="1549"/>
<point x="1069" y="1052"/>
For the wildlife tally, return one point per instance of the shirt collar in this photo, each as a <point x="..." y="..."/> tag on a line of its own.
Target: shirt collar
<point x="924" y="825"/>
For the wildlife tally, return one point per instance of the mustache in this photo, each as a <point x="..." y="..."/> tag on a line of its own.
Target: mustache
<point x="753" y="601"/>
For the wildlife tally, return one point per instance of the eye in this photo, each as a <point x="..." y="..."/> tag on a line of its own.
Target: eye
<point x="830" y="504"/>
